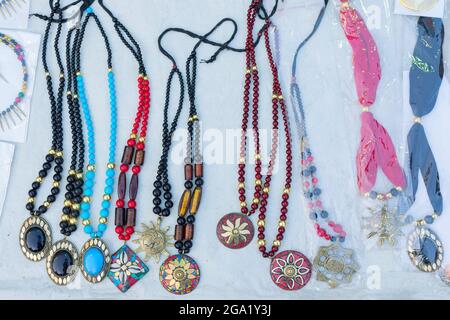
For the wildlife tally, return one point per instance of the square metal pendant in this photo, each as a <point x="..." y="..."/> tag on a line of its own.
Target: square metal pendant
<point x="126" y="268"/>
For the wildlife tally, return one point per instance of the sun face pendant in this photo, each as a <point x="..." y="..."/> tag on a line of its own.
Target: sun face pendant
<point x="384" y="225"/>
<point x="153" y="241"/>
<point x="35" y="238"/>
<point x="290" y="270"/>
<point x="95" y="260"/>
<point x="62" y="262"/>
<point x="126" y="268"/>
<point x="425" y="250"/>
<point x="235" y="230"/>
<point x="179" y="274"/>
<point x="335" y="265"/>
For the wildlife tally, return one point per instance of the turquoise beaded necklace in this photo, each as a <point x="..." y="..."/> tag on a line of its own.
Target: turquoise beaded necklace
<point x="95" y="254"/>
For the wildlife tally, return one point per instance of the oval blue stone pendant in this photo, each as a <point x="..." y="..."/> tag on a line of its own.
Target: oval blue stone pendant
<point x="425" y="250"/>
<point x="62" y="262"/>
<point x="95" y="260"/>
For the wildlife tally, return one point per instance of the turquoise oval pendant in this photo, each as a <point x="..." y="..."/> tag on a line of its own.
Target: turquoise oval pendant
<point x="95" y="259"/>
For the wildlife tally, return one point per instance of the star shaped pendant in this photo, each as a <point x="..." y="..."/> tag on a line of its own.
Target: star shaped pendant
<point x="153" y="241"/>
<point x="384" y="225"/>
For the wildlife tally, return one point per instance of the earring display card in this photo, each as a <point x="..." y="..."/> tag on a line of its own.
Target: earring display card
<point x="14" y="124"/>
<point x="14" y="14"/>
<point x="424" y="8"/>
<point x="6" y="157"/>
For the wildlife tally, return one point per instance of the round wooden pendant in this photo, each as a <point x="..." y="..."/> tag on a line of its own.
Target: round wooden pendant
<point x="235" y="230"/>
<point x="179" y="274"/>
<point x="290" y="270"/>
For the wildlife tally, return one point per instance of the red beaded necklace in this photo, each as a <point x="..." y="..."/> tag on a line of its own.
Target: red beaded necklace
<point x="235" y="230"/>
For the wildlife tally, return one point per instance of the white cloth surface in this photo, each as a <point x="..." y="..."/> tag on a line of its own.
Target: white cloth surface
<point x="333" y="124"/>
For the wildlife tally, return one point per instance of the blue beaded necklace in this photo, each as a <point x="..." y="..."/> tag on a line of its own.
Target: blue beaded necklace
<point x="95" y="254"/>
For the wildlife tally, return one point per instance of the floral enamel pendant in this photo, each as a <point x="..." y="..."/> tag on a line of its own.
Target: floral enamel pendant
<point x="126" y="269"/>
<point x="335" y="265"/>
<point x="179" y="274"/>
<point x="425" y="250"/>
<point x="290" y="270"/>
<point x="235" y="231"/>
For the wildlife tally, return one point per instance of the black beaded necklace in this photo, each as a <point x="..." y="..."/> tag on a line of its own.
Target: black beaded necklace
<point x="35" y="233"/>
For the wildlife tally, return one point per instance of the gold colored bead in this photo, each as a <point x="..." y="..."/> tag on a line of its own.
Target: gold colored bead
<point x="67" y="203"/>
<point x="365" y="109"/>
<point x="277" y="243"/>
<point x="282" y="223"/>
<point x="254" y="68"/>
<point x="242" y="160"/>
<point x="248" y="71"/>
<point x="59" y="154"/>
<point x="79" y="175"/>
<point x="257" y="156"/>
<point x="435" y="216"/>
<point x="47" y="74"/>
<point x="261" y="223"/>
<point x="417" y="120"/>
<point x="72" y="172"/>
<point x="280" y="97"/>
<point x="30" y="200"/>
<point x="266" y="190"/>
<point x="78" y="73"/>
<point x="400" y="189"/>
<point x="145" y="78"/>
<point x="76" y="206"/>
<point x="65" y="217"/>
<point x="287" y="191"/>
<point x="261" y="242"/>
<point x="73" y="220"/>
<point x="142" y="139"/>
<point x="61" y="75"/>
<point x="241" y="185"/>
<point x="91" y="167"/>
<point x="274" y="96"/>
<point x="39" y="179"/>
<point x="389" y="195"/>
<point x="133" y="136"/>
<point x="103" y="220"/>
<point x="56" y="184"/>
<point x="86" y="199"/>
<point x="46" y="204"/>
<point x="243" y="204"/>
<point x="258" y="182"/>
<point x="110" y="69"/>
<point x="107" y="197"/>
<point x="380" y="197"/>
<point x="69" y="93"/>
<point x="86" y="222"/>
<point x="111" y="166"/>
<point x="256" y="201"/>
<point x="75" y="96"/>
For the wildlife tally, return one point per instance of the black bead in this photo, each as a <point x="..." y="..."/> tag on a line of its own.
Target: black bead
<point x="188" y="244"/>
<point x="167" y="195"/>
<point x="199" y="182"/>
<point x="70" y="187"/>
<point x="36" y="185"/>
<point x="49" y="158"/>
<point x="157" y="201"/>
<point x="188" y="185"/>
<point x="42" y="173"/>
<point x="156" y="210"/>
<point x="190" y="219"/>
<point x="157" y="184"/>
<point x="178" y="245"/>
<point x="55" y="191"/>
<point x="167" y="187"/>
<point x="165" y="213"/>
<point x="71" y="179"/>
<point x="63" y="224"/>
<point x="59" y="161"/>
<point x="42" y="209"/>
<point x="75" y="213"/>
<point x="51" y="198"/>
<point x="77" y="199"/>
<point x="57" y="177"/>
<point x="30" y="206"/>
<point x="46" y="166"/>
<point x="181" y="220"/>
<point x="68" y="195"/>
<point x="32" y="193"/>
<point x="169" y="204"/>
<point x="157" y="192"/>
<point x="66" y="210"/>
<point x="58" y="169"/>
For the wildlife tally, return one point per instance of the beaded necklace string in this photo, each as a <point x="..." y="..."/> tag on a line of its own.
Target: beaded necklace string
<point x="14" y="110"/>
<point x="35" y="235"/>
<point x="95" y="254"/>
<point x="190" y="199"/>
<point x="326" y="228"/>
<point x="126" y="266"/>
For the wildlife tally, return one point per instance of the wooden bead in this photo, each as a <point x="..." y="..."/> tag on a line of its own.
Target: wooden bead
<point x="199" y="170"/>
<point x="120" y="218"/>
<point x="127" y="156"/>
<point x="189" y="232"/>
<point x="185" y="201"/>
<point x="131" y="217"/>
<point x="195" y="200"/>
<point x="179" y="232"/>
<point x="139" y="158"/>
<point x="188" y="172"/>
<point x="134" y="186"/>
<point x="122" y="185"/>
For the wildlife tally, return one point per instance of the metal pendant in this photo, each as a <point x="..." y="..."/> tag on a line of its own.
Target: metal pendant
<point x="95" y="260"/>
<point x="425" y="250"/>
<point x="290" y="270"/>
<point x="444" y="274"/>
<point x="153" y="241"/>
<point x="419" y="5"/>
<point x="35" y="238"/>
<point x="384" y="225"/>
<point x="62" y="262"/>
<point x="126" y="268"/>
<point x="335" y="265"/>
<point x="179" y="274"/>
<point x="235" y="230"/>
